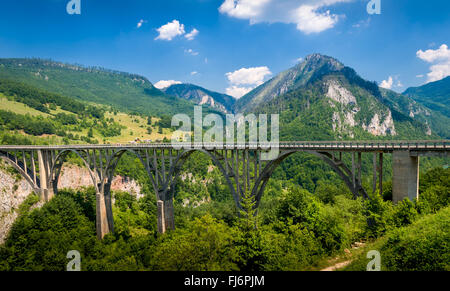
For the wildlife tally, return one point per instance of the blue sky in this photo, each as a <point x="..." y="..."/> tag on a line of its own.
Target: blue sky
<point x="239" y="43"/>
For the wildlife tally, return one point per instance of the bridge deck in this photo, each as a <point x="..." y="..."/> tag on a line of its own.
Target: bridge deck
<point x="364" y="146"/>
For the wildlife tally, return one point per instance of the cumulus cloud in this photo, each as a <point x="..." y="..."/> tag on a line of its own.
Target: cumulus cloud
<point x="191" y="35"/>
<point x="391" y="82"/>
<point x="166" y="83"/>
<point x="244" y="80"/>
<point x="237" y="92"/>
<point x="170" y="30"/>
<point x="440" y="60"/>
<point x="308" y="15"/>
<point x="309" y="21"/>
<point x="387" y="84"/>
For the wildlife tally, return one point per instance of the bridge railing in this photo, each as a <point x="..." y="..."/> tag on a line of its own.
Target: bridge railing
<point x="341" y="145"/>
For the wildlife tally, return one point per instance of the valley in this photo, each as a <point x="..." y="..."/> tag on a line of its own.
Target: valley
<point x="306" y="216"/>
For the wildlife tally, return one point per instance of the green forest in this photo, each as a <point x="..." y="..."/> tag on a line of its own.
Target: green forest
<point x="307" y="220"/>
<point x="293" y="229"/>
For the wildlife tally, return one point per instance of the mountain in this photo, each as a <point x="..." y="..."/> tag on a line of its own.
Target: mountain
<point x="199" y="95"/>
<point x="288" y="80"/>
<point x="435" y="120"/>
<point x="434" y="95"/>
<point x="123" y="91"/>
<point x="321" y="98"/>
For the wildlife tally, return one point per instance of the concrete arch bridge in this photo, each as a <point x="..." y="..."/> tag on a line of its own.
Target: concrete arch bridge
<point x="242" y="165"/>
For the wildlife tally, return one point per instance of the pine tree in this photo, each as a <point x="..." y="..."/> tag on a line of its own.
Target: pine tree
<point x="249" y="242"/>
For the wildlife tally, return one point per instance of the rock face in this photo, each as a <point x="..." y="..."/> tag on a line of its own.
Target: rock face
<point x="74" y="177"/>
<point x="381" y="128"/>
<point x="14" y="190"/>
<point x="202" y="96"/>
<point x="346" y="109"/>
<point x="339" y="94"/>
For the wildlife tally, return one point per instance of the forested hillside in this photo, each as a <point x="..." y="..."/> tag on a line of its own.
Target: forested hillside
<point x="296" y="230"/>
<point x="122" y="91"/>
<point x="307" y="214"/>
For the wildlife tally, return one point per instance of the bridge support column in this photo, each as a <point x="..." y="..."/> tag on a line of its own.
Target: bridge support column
<point x="46" y="193"/>
<point x="108" y="206"/>
<point x="405" y="181"/>
<point x="161" y="220"/>
<point x="102" y="224"/>
<point x="169" y="215"/>
<point x="165" y="215"/>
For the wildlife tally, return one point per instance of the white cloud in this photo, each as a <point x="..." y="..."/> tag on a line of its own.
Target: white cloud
<point x="142" y="21"/>
<point x="246" y="79"/>
<point x="309" y="21"/>
<point x="191" y="52"/>
<point x="194" y="73"/>
<point x="248" y="76"/>
<point x="420" y="76"/>
<point x="440" y="58"/>
<point x="191" y="35"/>
<point x="237" y="92"/>
<point x="387" y="84"/>
<point x="244" y="9"/>
<point x="165" y="83"/>
<point x="170" y="30"/>
<point x="306" y="14"/>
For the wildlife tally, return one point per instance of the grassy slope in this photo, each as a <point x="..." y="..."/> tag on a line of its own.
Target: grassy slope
<point x="422" y="245"/>
<point x="134" y="124"/>
<point x="127" y="92"/>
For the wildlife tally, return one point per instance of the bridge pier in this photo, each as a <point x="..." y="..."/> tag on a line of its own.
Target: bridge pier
<point x="165" y="215"/>
<point x="102" y="224"/>
<point x="46" y="190"/>
<point x="405" y="180"/>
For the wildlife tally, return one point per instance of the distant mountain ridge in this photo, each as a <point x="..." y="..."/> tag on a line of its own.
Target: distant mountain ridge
<point x="320" y="98"/>
<point x="124" y="91"/>
<point x="434" y="95"/>
<point x="201" y="96"/>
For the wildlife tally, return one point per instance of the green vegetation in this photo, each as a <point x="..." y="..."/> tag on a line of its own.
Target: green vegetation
<point x="306" y="216"/>
<point x="296" y="230"/>
<point x="125" y="92"/>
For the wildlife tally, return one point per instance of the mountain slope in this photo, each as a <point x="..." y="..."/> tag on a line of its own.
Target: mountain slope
<point x="288" y="80"/>
<point x="322" y="99"/>
<point x="435" y="120"/>
<point x="123" y="91"/>
<point x="434" y="95"/>
<point x="199" y="95"/>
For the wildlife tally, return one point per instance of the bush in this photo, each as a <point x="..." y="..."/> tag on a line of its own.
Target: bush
<point x="377" y="212"/>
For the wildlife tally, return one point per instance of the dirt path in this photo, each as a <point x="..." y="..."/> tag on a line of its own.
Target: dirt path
<point x="337" y="266"/>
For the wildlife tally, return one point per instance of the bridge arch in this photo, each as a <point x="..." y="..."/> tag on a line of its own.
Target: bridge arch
<point x="113" y="161"/>
<point x="27" y="175"/>
<point x="56" y="167"/>
<point x="181" y="159"/>
<point x="337" y="166"/>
